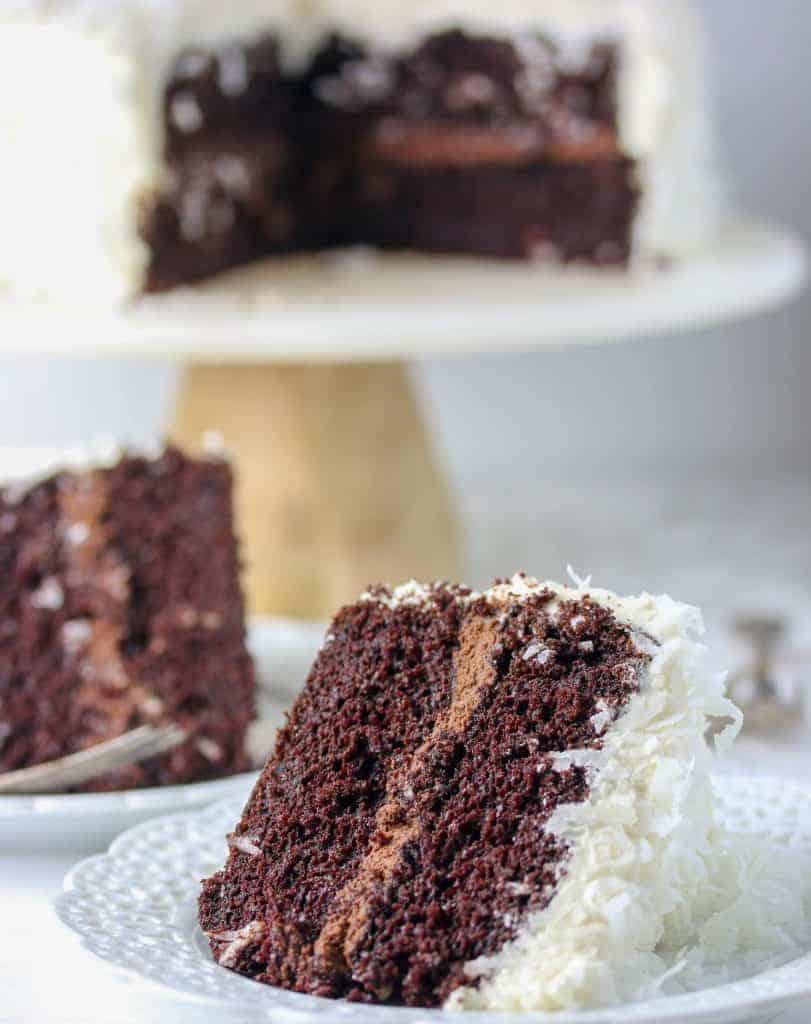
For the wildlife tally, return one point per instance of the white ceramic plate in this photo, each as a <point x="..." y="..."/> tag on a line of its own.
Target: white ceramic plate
<point x="88" y="821"/>
<point x="406" y="306"/>
<point x="135" y="907"/>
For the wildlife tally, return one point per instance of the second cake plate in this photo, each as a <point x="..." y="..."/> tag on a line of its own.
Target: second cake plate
<point x="283" y="652"/>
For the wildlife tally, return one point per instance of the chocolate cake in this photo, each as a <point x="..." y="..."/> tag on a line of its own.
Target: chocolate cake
<point x="488" y="801"/>
<point x="213" y="135"/>
<point x="120" y="605"/>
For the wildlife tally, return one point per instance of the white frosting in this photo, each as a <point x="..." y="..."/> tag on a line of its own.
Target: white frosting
<point x="412" y="592"/>
<point x="642" y="845"/>
<point x="22" y="468"/>
<point x="83" y="82"/>
<point x="76" y="160"/>
<point x="753" y="913"/>
<point x="81" y="130"/>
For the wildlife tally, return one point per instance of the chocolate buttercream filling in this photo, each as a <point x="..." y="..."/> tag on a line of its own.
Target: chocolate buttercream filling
<point x="432" y="144"/>
<point x="474" y="672"/>
<point x="108" y="699"/>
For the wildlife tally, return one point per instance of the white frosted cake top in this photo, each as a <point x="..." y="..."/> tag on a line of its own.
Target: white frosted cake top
<point x="656" y="616"/>
<point x="23" y="467"/>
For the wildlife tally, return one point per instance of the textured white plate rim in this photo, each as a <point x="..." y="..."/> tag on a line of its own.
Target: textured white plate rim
<point x="310" y="309"/>
<point x="152" y="800"/>
<point x="771" y="990"/>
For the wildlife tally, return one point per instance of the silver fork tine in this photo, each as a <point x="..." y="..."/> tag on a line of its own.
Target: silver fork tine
<point x="73" y="770"/>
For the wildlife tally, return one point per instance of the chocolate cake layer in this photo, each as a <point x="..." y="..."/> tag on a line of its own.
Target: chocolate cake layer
<point x="467" y="144"/>
<point x="233" y="165"/>
<point x="548" y="212"/>
<point x="398" y="832"/>
<point x="120" y="605"/>
<point x="370" y="701"/>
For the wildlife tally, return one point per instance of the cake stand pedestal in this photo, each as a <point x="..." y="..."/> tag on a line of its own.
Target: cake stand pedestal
<point x="301" y="366"/>
<point x="337" y="484"/>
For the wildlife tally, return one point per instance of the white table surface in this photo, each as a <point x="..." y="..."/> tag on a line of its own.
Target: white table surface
<point x="46" y="978"/>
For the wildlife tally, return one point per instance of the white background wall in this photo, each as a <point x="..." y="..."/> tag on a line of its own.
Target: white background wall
<point x="741" y="393"/>
<point x="734" y="395"/>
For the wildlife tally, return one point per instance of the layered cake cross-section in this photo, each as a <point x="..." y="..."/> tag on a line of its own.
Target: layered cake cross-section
<point x="120" y="605"/>
<point x="196" y="136"/>
<point x="479" y="801"/>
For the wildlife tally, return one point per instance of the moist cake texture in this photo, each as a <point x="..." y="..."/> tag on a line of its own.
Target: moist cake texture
<point x="479" y="800"/>
<point x="216" y="135"/>
<point x="120" y="605"/>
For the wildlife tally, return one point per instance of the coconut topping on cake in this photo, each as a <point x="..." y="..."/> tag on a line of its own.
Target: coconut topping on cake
<point x="489" y="800"/>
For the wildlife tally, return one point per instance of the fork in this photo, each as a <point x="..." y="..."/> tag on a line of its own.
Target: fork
<point x="75" y="769"/>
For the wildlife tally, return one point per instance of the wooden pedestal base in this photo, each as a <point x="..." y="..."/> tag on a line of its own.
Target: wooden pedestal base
<point x="336" y="484"/>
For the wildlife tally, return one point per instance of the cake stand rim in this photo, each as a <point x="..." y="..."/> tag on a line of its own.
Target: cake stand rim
<point x="316" y="310"/>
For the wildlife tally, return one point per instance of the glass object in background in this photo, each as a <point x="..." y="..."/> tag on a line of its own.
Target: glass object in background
<point x="768" y="683"/>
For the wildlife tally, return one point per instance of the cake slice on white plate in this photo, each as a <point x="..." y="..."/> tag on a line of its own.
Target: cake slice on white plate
<point x="152" y="143"/>
<point x="495" y="801"/>
<point x="121" y="606"/>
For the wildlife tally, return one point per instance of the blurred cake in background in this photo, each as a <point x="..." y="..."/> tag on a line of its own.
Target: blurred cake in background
<point x="153" y="143"/>
<point x="120" y="606"/>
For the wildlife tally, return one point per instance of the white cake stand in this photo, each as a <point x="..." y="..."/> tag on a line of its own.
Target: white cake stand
<point x="301" y="367"/>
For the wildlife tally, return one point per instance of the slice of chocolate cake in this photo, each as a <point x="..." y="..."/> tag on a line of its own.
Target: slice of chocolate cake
<point x="485" y="801"/>
<point x="120" y="605"/>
